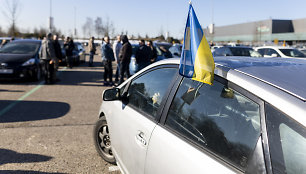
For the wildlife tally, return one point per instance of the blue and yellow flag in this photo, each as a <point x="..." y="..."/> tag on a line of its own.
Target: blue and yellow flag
<point x="196" y="60"/>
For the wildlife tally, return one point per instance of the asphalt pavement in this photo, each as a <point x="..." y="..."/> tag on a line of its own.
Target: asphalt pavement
<point x="48" y="128"/>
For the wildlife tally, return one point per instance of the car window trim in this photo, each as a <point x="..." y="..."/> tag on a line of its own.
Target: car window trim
<point x="159" y="110"/>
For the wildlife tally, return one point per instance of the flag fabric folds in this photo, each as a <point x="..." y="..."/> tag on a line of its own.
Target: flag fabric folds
<point x="196" y="60"/>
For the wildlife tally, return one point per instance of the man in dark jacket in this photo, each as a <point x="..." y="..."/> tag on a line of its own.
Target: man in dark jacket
<point x="57" y="49"/>
<point x="107" y="58"/>
<point x="153" y="53"/>
<point x="142" y="55"/>
<point x="47" y="54"/>
<point x="125" y="58"/>
<point x="69" y="46"/>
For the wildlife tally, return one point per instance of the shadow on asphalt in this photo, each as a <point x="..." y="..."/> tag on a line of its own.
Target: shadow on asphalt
<point x="9" y="156"/>
<point x="32" y="110"/>
<point x="8" y="90"/>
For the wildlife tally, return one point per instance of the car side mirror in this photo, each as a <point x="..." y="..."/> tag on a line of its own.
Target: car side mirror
<point x="274" y="55"/>
<point x="111" y="94"/>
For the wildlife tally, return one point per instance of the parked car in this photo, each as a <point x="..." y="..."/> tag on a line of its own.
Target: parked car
<point x="20" y="60"/>
<point x="278" y="51"/>
<point x="80" y="51"/>
<point x="236" y="51"/>
<point x="176" y="50"/>
<point x="251" y="120"/>
<point x="162" y="50"/>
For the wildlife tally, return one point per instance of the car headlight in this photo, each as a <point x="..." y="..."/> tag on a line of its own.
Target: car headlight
<point x="29" y="62"/>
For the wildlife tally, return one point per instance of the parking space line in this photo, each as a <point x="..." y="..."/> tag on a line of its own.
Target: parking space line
<point x="10" y="106"/>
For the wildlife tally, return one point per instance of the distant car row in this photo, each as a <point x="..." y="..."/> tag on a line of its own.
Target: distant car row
<point x="265" y="51"/>
<point x="20" y="59"/>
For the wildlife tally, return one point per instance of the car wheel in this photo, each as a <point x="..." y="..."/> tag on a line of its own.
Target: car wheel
<point x="37" y="74"/>
<point x="102" y="141"/>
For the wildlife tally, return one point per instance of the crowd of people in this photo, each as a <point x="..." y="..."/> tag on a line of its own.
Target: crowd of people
<point x="121" y="53"/>
<point x="51" y="54"/>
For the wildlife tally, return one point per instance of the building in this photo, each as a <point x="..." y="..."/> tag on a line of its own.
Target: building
<point x="271" y="30"/>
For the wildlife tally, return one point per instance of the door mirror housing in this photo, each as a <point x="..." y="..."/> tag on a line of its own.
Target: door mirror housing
<point x="274" y="55"/>
<point x="111" y="94"/>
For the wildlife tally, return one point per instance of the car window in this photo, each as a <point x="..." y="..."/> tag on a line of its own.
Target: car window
<point x="146" y="92"/>
<point x="217" y="118"/>
<point x="287" y="141"/>
<point x="292" y="52"/>
<point x="270" y="52"/>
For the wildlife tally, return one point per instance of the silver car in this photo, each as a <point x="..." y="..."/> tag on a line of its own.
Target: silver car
<point x="251" y="120"/>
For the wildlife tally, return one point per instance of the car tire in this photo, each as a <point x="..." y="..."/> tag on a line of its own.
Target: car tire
<point x="38" y="74"/>
<point x="102" y="141"/>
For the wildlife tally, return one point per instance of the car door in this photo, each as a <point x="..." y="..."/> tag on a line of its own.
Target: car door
<point x="133" y="120"/>
<point x="206" y="129"/>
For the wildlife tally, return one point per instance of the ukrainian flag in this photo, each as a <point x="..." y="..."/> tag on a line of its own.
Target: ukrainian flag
<point x="196" y="60"/>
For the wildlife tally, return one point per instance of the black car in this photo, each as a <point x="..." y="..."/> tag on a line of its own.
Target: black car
<point x="20" y="60"/>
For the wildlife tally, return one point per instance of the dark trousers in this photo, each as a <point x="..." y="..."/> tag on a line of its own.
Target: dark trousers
<point x="91" y="57"/>
<point x="108" y="70"/>
<point x="117" y="71"/>
<point x="124" y="69"/>
<point x="50" y="73"/>
<point x="69" y="61"/>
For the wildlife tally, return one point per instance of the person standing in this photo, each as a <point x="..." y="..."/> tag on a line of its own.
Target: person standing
<point x="142" y="55"/>
<point x="47" y="54"/>
<point x="92" y="50"/>
<point x="116" y="47"/>
<point x="153" y="52"/>
<point x="107" y="58"/>
<point x="69" y="46"/>
<point x="58" y="51"/>
<point x="125" y="58"/>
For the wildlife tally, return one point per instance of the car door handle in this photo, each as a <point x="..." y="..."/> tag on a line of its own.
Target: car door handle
<point x="140" y="138"/>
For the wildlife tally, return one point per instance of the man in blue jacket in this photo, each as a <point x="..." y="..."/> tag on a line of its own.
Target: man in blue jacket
<point x="107" y="58"/>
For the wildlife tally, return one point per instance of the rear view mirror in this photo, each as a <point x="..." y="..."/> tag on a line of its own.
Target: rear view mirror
<point x="111" y="94"/>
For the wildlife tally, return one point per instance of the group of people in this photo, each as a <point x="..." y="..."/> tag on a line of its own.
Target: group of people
<point x="51" y="54"/>
<point x="121" y="52"/>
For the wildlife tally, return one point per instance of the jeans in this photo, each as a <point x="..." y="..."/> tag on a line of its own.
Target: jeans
<point x="91" y="56"/>
<point x="108" y="70"/>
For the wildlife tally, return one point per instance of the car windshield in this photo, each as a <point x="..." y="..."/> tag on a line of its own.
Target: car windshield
<point x="20" y="48"/>
<point x="244" y="52"/>
<point x="292" y="53"/>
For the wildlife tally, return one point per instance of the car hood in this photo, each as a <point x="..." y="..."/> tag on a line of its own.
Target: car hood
<point x="15" y="58"/>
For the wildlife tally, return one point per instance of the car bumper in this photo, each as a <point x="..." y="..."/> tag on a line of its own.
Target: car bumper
<point x="21" y="72"/>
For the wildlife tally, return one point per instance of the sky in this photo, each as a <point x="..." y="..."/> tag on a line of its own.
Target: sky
<point x="146" y="17"/>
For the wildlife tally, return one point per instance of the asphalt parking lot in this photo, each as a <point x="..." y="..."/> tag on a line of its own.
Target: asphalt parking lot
<point x="48" y="128"/>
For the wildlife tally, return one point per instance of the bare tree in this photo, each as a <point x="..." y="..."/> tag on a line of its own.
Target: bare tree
<point x="99" y="27"/>
<point x="88" y="27"/>
<point x="108" y="27"/>
<point x="11" y="10"/>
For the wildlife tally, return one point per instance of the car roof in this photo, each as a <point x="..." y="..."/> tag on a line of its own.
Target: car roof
<point x="275" y="47"/>
<point x="28" y="40"/>
<point x="287" y="75"/>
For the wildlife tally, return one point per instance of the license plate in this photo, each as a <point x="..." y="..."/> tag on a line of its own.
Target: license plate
<point x="6" y="71"/>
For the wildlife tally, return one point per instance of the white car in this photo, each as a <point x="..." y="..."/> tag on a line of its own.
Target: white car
<point x="251" y="120"/>
<point x="278" y="51"/>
